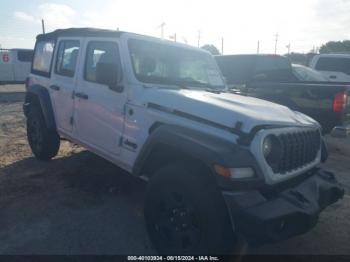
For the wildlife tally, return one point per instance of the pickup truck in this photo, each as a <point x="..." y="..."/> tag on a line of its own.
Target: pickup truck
<point x="271" y="77"/>
<point x="335" y="67"/>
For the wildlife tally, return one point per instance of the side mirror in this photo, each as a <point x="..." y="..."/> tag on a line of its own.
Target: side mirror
<point x="107" y="74"/>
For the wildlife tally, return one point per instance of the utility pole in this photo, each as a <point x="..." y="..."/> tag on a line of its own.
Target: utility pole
<point x="199" y="37"/>
<point x="258" y="48"/>
<point x="161" y="26"/>
<point x="43" y="25"/>
<point x="288" y="47"/>
<point x="276" y="41"/>
<point x="222" y="45"/>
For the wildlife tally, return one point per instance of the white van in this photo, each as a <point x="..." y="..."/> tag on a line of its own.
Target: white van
<point x="15" y="65"/>
<point x="335" y="67"/>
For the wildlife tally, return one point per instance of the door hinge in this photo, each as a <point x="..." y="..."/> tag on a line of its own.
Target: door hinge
<point x="71" y="120"/>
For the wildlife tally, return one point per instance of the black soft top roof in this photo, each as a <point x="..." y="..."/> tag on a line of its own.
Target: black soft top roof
<point x="87" y="32"/>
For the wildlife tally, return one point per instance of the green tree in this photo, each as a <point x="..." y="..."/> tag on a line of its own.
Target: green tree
<point x="335" y="46"/>
<point x="212" y="49"/>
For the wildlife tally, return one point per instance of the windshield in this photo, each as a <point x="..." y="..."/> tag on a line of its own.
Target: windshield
<point x="307" y="74"/>
<point x="170" y="65"/>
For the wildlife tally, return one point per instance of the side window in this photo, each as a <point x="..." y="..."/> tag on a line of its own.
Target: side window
<point x="100" y="52"/>
<point x="333" y="64"/>
<point x="43" y="57"/>
<point x="25" y="55"/>
<point x="67" y="56"/>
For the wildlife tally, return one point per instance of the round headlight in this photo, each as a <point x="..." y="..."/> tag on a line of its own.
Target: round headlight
<point x="272" y="150"/>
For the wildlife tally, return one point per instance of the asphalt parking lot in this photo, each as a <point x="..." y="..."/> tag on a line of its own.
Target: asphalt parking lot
<point x="80" y="204"/>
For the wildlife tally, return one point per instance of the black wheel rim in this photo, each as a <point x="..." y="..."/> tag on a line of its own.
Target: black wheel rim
<point x="35" y="134"/>
<point x="176" y="224"/>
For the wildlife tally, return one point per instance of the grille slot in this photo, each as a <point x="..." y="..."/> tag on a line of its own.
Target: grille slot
<point x="298" y="150"/>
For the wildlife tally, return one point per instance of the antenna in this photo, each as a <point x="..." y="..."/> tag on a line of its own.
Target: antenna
<point x="43" y="25"/>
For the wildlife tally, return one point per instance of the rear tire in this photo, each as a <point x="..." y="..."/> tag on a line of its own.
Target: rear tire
<point x="44" y="142"/>
<point x="185" y="212"/>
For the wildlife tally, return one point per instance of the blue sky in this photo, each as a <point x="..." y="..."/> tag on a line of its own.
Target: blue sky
<point x="242" y="23"/>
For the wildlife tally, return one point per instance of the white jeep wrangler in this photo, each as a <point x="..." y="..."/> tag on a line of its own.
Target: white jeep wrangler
<point x="219" y="165"/>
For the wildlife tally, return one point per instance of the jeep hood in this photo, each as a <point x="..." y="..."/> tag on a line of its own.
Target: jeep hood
<point x="226" y="108"/>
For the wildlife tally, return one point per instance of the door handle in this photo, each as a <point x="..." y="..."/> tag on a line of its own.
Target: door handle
<point x="54" y="87"/>
<point x="332" y="77"/>
<point x="81" y="95"/>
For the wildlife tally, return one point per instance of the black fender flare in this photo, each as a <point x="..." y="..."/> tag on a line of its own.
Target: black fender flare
<point x="43" y="97"/>
<point x="208" y="149"/>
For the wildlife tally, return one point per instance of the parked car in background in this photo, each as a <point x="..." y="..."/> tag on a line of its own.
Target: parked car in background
<point x="15" y="65"/>
<point x="219" y="165"/>
<point x="335" y="67"/>
<point x="272" y="78"/>
<point x="307" y="74"/>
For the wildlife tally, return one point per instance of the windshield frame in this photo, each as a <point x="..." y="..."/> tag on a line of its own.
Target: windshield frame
<point x="176" y="82"/>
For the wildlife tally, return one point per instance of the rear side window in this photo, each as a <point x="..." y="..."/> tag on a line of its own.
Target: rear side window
<point x="271" y="63"/>
<point x="236" y="69"/>
<point x="274" y="68"/>
<point x="100" y="52"/>
<point x="67" y="57"/>
<point x="43" y="57"/>
<point x="335" y="64"/>
<point x="25" y="56"/>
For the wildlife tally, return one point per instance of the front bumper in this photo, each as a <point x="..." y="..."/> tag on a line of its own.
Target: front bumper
<point x="270" y="217"/>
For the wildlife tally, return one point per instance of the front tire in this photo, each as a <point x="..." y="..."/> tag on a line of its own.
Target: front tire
<point x="185" y="212"/>
<point x="44" y="142"/>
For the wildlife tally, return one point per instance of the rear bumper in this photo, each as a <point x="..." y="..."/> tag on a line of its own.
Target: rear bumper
<point x="341" y="131"/>
<point x="287" y="213"/>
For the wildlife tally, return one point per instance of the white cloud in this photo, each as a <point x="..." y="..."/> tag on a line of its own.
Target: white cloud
<point x="24" y="16"/>
<point x="303" y="23"/>
<point x="57" y="15"/>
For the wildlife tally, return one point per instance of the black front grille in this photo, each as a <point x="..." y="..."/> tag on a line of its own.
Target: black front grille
<point x="298" y="150"/>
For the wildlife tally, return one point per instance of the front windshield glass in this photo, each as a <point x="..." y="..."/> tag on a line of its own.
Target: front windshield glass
<point x="170" y="65"/>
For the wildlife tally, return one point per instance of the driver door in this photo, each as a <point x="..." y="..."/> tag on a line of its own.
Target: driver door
<point x="99" y="117"/>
